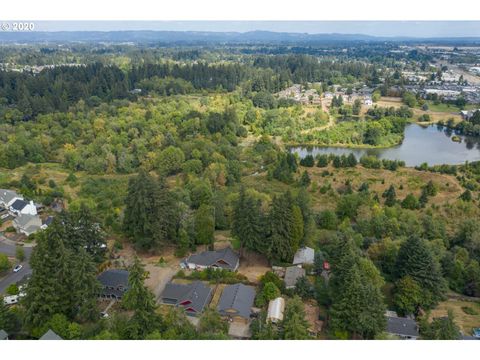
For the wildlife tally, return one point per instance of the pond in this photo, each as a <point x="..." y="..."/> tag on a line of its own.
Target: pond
<point x="431" y="144"/>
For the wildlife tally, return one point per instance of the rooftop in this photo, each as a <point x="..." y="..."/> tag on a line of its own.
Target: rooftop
<point x="114" y="278"/>
<point x="304" y="255"/>
<point x="292" y="274"/>
<point x="225" y="258"/>
<point x="238" y="297"/>
<point x="50" y="335"/>
<point x="402" y="326"/>
<point x="193" y="297"/>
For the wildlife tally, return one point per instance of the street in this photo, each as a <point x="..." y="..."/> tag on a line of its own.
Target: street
<point x="8" y="248"/>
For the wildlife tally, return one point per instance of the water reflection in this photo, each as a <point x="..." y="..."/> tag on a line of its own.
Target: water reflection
<point x="431" y="144"/>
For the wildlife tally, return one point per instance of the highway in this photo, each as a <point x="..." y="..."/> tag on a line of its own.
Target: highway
<point x="8" y="248"/>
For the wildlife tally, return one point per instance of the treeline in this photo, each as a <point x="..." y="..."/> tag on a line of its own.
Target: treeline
<point x="24" y="95"/>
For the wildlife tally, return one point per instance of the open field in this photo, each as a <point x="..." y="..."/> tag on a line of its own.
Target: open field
<point x="436" y="112"/>
<point x="465" y="321"/>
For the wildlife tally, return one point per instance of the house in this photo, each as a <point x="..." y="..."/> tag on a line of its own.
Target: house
<point x="221" y="259"/>
<point x="276" y="307"/>
<point x="114" y="283"/>
<point x="467" y="114"/>
<point x="404" y="328"/>
<point x="20" y="206"/>
<point x="50" y="335"/>
<point x="304" y="255"/>
<point x="368" y="101"/>
<point x="292" y="274"/>
<point x="236" y="302"/>
<point x="193" y="297"/>
<point x="8" y="197"/>
<point x="46" y="223"/>
<point x="3" y="335"/>
<point x="27" y="224"/>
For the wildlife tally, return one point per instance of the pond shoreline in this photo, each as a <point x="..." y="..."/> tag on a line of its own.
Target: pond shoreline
<point x="421" y="143"/>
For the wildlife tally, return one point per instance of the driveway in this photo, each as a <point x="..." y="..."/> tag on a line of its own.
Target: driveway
<point x="159" y="277"/>
<point x="8" y="247"/>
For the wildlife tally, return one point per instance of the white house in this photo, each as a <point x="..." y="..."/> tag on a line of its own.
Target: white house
<point x="20" y="206"/>
<point x="8" y="197"/>
<point x="368" y="101"/>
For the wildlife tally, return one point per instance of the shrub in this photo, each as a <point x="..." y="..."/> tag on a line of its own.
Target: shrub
<point x="469" y="311"/>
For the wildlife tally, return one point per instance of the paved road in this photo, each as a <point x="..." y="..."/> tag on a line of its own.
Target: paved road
<point x="9" y="249"/>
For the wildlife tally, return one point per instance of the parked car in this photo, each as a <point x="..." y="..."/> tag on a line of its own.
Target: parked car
<point x="17" y="268"/>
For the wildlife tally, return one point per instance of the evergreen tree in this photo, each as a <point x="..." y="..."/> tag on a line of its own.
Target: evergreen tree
<point x="83" y="232"/>
<point x="305" y="179"/>
<point x="49" y="288"/>
<point x="416" y="260"/>
<point x="390" y="196"/>
<point x="351" y="160"/>
<point x="466" y="195"/>
<point x="6" y="318"/>
<point x="410" y="202"/>
<point x="358" y="308"/>
<point x="286" y="226"/>
<point x="443" y="328"/>
<point x="85" y="286"/>
<point x="247" y="223"/>
<point x="141" y="300"/>
<point x="295" y="327"/>
<point x="151" y="215"/>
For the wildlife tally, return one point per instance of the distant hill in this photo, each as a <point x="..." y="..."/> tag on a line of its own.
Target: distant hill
<point x="204" y="37"/>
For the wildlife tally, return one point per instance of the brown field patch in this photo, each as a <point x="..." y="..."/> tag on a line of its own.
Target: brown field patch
<point x="464" y="321"/>
<point x="253" y="266"/>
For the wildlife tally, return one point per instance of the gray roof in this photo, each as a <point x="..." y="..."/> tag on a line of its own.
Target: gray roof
<point x="48" y="221"/>
<point x="304" y="255"/>
<point x="50" y="335"/>
<point x="24" y="220"/>
<point x="292" y="274"/>
<point x="3" y="335"/>
<point x="112" y="280"/>
<point x="19" y="204"/>
<point x="225" y="258"/>
<point x="192" y="297"/>
<point x="402" y="326"/>
<point x="7" y="195"/>
<point x="238" y="298"/>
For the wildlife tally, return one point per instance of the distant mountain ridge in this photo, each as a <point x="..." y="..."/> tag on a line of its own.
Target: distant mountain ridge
<point x="205" y="37"/>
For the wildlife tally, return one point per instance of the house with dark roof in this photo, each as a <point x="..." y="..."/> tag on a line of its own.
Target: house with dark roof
<point x="236" y="302"/>
<point x="47" y="222"/>
<point x="404" y="328"/>
<point x="3" y="335"/>
<point x="193" y="297"/>
<point x="114" y="283"/>
<point x="50" y="335"/>
<point x="27" y="224"/>
<point x="8" y="197"/>
<point x="21" y="206"/>
<point x="219" y="259"/>
<point x="292" y="274"/>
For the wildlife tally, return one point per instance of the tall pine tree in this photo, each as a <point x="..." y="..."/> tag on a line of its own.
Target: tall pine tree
<point x="247" y="223"/>
<point x="286" y="227"/>
<point x="416" y="260"/>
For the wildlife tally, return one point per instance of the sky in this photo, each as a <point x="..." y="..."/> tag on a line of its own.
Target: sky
<point x="374" y="28"/>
